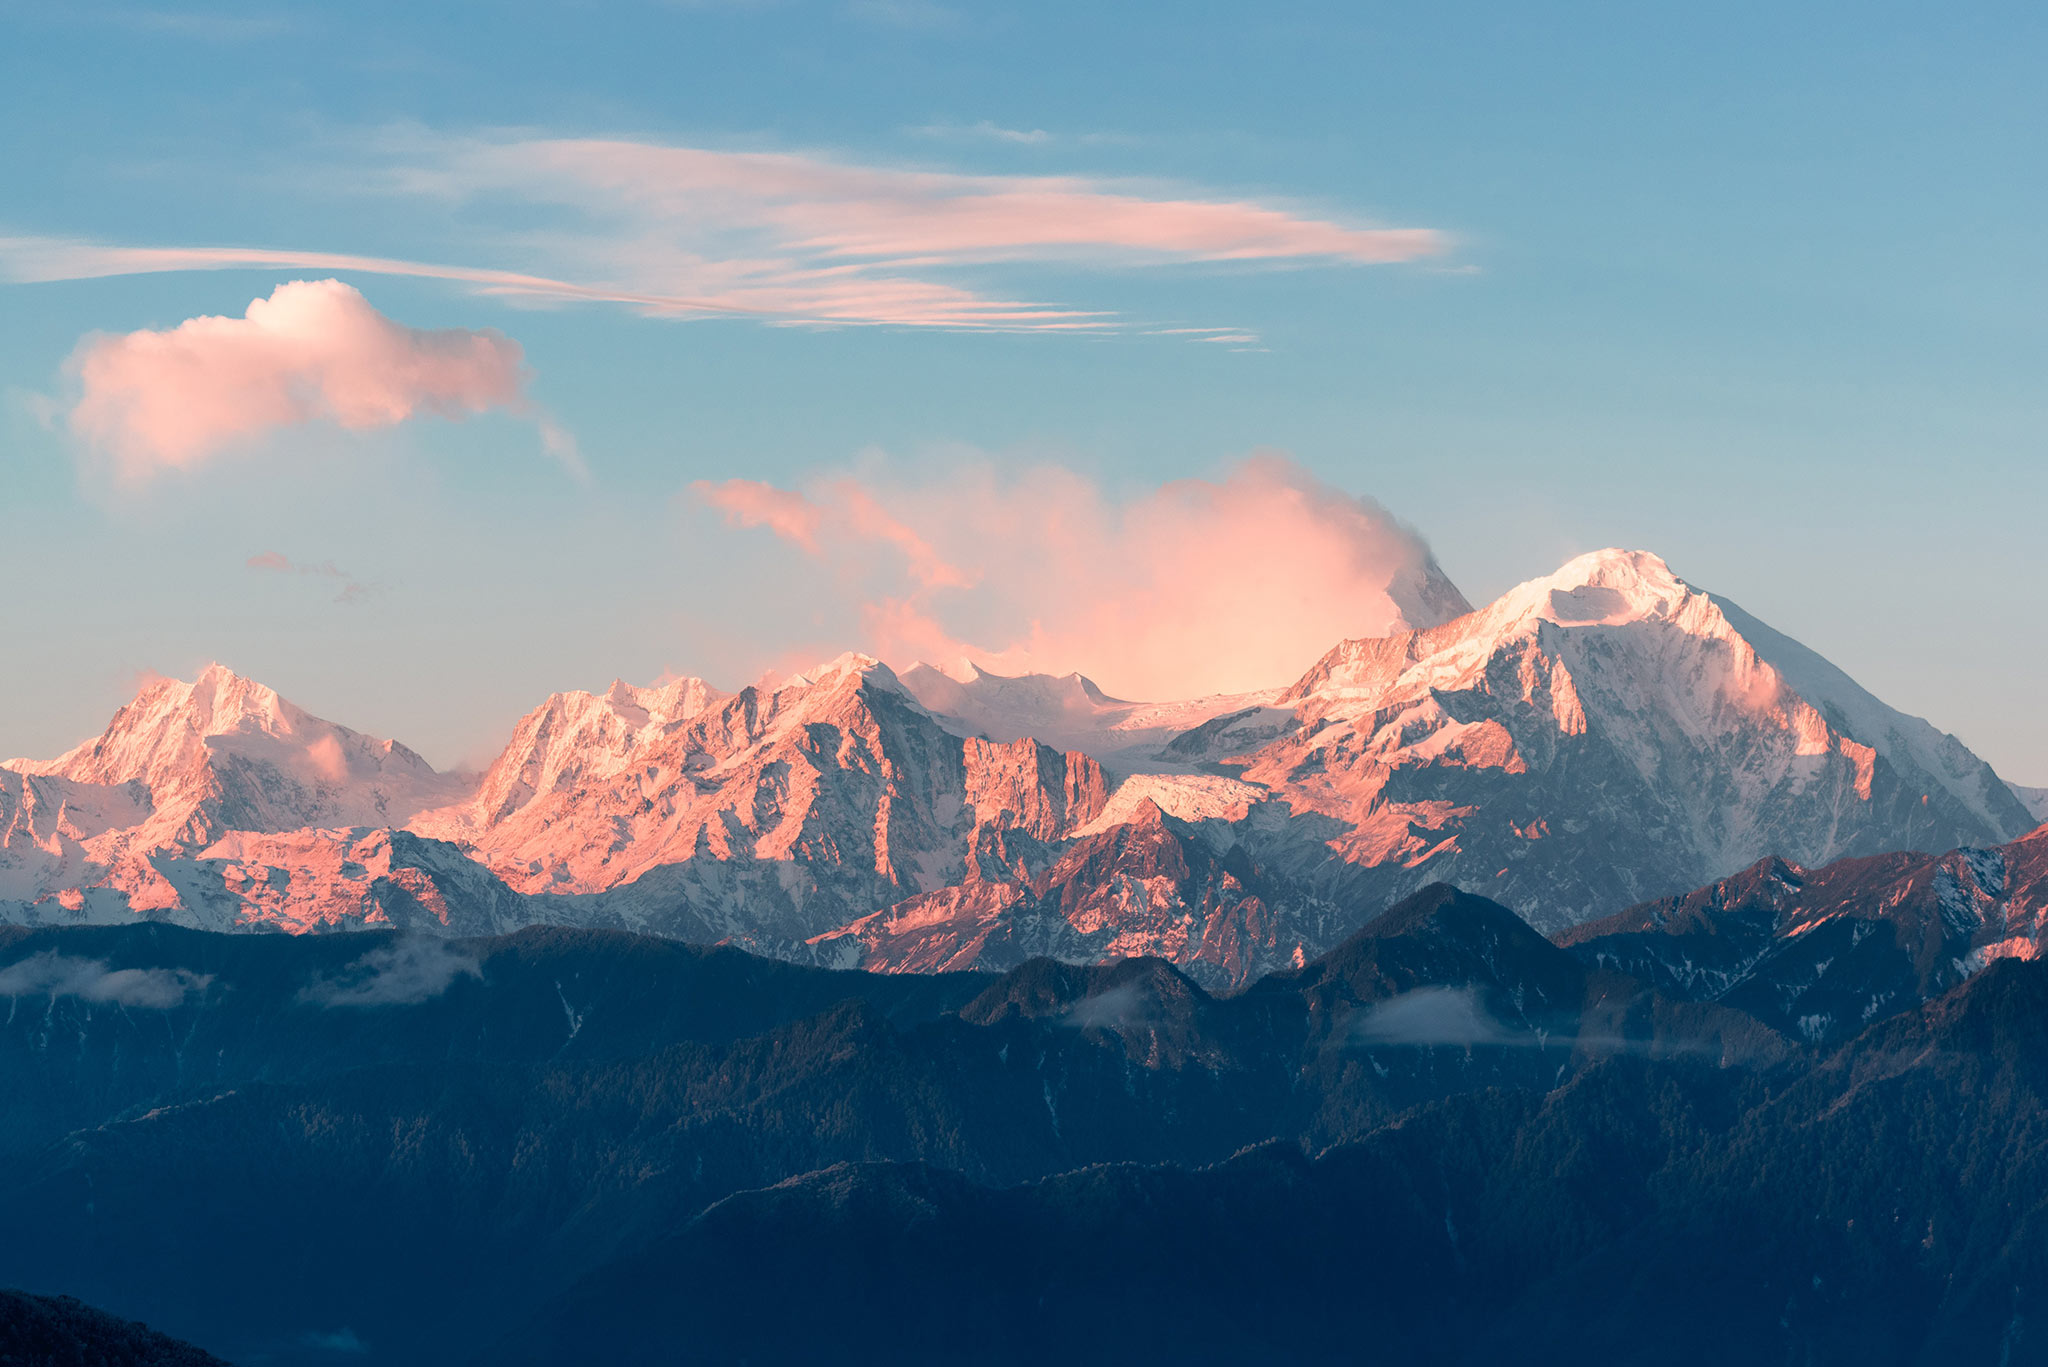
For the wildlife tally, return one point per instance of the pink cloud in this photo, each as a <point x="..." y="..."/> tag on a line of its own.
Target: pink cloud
<point x="788" y="238"/>
<point x="313" y="351"/>
<point x="751" y="503"/>
<point x="1198" y="586"/>
<point x="327" y="759"/>
<point x="843" y="209"/>
<point x="843" y="511"/>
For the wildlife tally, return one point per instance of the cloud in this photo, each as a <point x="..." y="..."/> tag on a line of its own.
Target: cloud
<point x="845" y="210"/>
<point x="404" y="972"/>
<point x="986" y="130"/>
<point x="51" y="974"/>
<point x="751" y="503"/>
<point x="1457" y="1017"/>
<point x="680" y="231"/>
<point x="327" y="759"/>
<point x="314" y="351"/>
<point x="1127" y="1005"/>
<point x="276" y="562"/>
<point x="1195" y="587"/>
<point x="1436" y="1015"/>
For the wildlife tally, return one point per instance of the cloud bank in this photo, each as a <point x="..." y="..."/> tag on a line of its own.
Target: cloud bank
<point x="314" y="351"/>
<point x="1196" y="587"/>
<point x="51" y="974"/>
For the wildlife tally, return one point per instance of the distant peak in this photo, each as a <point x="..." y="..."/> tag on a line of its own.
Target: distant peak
<point x="852" y="662"/>
<point x="1425" y="597"/>
<point x="986" y="683"/>
<point x="961" y="671"/>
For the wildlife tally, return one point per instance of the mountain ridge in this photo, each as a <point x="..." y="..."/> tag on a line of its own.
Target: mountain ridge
<point x="1593" y="739"/>
<point x="1446" y="1134"/>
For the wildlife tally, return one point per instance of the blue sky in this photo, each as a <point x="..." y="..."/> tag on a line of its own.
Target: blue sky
<point x="1759" y="288"/>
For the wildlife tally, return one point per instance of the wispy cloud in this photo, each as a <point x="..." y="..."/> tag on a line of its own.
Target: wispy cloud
<point x="988" y="130"/>
<point x="404" y="972"/>
<point x="1126" y="1006"/>
<point x="51" y="974"/>
<point x="984" y="130"/>
<point x="1437" y="1016"/>
<point x="786" y="237"/>
<point x="1458" y="1017"/>
<point x="844" y="509"/>
<point x="312" y="351"/>
<point x="276" y="562"/>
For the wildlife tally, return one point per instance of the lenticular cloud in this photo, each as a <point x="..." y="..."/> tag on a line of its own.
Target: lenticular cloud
<point x="1195" y="587"/>
<point x="315" y="350"/>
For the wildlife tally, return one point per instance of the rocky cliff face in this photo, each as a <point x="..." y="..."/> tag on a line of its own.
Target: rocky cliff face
<point x="773" y="812"/>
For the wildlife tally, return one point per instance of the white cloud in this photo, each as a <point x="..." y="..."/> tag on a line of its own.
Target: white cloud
<point x="404" y="972"/>
<point x="51" y="974"/>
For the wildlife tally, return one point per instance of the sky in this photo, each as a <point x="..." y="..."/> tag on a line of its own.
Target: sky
<point x="421" y="360"/>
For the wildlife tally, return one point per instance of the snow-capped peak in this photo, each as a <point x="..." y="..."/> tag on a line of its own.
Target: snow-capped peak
<point x="851" y="663"/>
<point x="168" y="724"/>
<point x="1604" y="588"/>
<point x="191" y="761"/>
<point x="960" y="671"/>
<point x="1426" y="597"/>
<point x="671" y="700"/>
<point x="217" y="702"/>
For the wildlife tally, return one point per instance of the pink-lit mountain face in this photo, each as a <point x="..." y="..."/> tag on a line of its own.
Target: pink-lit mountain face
<point x="1594" y="739"/>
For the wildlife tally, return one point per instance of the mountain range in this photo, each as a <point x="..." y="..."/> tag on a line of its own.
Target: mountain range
<point x="1594" y="740"/>
<point x="1450" y="1138"/>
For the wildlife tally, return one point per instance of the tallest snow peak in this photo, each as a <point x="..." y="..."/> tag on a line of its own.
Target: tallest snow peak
<point x="1605" y="587"/>
<point x="1614" y="563"/>
<point x="1639" y="573"/>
